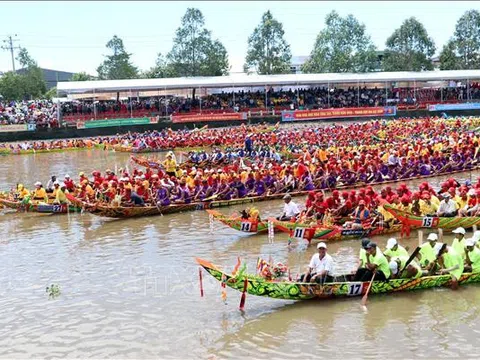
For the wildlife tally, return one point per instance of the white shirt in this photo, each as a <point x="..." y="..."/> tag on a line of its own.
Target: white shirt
<point x="447" y="207"/>
<point x="291" y="209"/>
<point x="318" y="265"/>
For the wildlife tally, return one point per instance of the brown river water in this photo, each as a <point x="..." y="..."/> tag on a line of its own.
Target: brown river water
<point x="130" y="289"/>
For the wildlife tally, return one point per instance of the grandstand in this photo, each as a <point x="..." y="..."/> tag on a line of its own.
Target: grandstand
<point x="265" y="94"/>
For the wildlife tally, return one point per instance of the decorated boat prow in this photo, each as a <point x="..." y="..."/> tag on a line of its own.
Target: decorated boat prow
<point x="240" y="224"/>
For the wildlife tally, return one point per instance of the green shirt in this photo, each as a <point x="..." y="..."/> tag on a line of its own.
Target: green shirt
<point x="452" y="258"/>
<point x="459" y="247"/>
<point x="426" y="251"/>
<point x="363" y="257"/>
<point x="396" y="253"/>
<point x="382" y="263"/>
<point x="474" y="257"/>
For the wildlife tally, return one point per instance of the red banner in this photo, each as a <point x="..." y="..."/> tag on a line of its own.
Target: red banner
<point x="208" y="117"/>
<point x="337" y="113"/>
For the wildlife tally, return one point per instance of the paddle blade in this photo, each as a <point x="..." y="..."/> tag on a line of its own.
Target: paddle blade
<point x="364" y="299"/>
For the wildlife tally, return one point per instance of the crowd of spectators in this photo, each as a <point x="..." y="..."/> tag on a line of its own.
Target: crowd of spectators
<point x="42" y="113"/>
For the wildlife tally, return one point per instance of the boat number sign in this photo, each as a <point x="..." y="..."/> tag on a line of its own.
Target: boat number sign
<point x="246" y="226"/>
<point x="428" y="222"/>
<point x="355" y="288"/>
<point x="299" y="232"/>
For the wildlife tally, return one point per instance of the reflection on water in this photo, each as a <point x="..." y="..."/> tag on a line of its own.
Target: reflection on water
<point x="129" y="289"/>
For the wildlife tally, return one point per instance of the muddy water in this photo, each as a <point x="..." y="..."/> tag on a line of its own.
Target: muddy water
<point x="129" y="289"/>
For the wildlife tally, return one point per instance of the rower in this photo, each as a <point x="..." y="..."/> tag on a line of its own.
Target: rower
<point x="377" y="262"/>
<point x="458" y="243"/>
<point x="320" y="268"/>
<point x="426" y="255"/>
<point x="472" y="256"/>
<point x="290" y="209"/>
<point x="60" y="197"/>
<point x="21" y="192"/>
<point x="359" y="215"/>
<point x="50" y="184"/>
<point x="39" y="193"/>
<point x="450" y="262"/>
<point x="412" y="271"/>
<point x="362" y="256"/>
<point x="394" y="249"/>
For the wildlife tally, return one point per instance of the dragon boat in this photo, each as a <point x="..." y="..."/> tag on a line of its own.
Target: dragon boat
<point x="39" y="207"/>
<point x="445" y="223"/>
<point x="329" y="232"/>
<point x="237" y="223"/>
<point x="292" y="290"/>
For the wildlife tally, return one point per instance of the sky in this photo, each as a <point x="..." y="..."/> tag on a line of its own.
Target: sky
<point x="71" y="36"/>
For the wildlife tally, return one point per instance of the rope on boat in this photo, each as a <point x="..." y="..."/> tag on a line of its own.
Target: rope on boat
<point x="270" y="231"/>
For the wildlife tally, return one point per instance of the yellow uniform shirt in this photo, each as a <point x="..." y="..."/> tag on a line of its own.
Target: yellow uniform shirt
<point x="40" y="194"/>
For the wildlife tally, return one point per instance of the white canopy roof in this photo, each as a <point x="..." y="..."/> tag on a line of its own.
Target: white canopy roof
<point x="244" y="80"/>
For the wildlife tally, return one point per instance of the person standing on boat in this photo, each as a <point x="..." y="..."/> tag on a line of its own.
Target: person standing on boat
<point x="447" y="207"/>
<point x="394" y="249"/>
<point x="458" y="243"/>
<point x="376" y="262"/>
<point x="170" y="165"/>
<point x="290" y="209"/>
<point x="320" y="268"/>
<point x="362" y="256"/>
<point x="472" y="257"/>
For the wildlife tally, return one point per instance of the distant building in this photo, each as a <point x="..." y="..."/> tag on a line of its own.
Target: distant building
<point x="52" y="77"/>
<point x="296" y="64"/>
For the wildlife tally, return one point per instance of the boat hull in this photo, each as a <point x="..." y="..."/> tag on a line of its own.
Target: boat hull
<point x="40" y="208"/>
<point x="329" y="233"/>
<point x="306" y="291"/>
<point x="446" y="223"/>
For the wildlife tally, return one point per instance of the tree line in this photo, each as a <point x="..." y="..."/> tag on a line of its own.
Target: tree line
<point x="342" y="46"/>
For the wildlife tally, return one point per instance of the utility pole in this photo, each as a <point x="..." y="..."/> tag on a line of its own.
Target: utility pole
<point x="9" y="41"/>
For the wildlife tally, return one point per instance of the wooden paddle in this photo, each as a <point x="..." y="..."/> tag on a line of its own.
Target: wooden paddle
<point x="410" y="259"/>
<point x="364" y="298"/>
<point x="213" y="197"/>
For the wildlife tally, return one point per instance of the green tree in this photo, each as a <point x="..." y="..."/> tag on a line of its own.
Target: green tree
<point x="448" y="57"/>
<point x="194" y="53"/>
<point x="467" y="40"/>
<point x="32" y="81"/>
<point x="268" y="51"/>
<point x="161" y="69"/>
<point x="118" y="65"/>
<point x="11" y="86"/>
<point x="82" y="76"/>
<point x="343" y="46"/>
<point x="52" y="93"/>
<point x="409" y="48"/>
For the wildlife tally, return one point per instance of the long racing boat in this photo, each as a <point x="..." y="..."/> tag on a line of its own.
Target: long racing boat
<point x="292" y="290"/>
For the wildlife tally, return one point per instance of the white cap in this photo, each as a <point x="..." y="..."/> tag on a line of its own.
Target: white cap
<point x="393" y="267"/>
<point x="471" y="192"/>
<point x="391" y="243"/>
<point x="432" y="236"/>
<point x="470" y="242"/>
<point x="459" y="230"/>
<point x="38" y="183"/>
<point x="437" y="248"/>
<point x="321" y="245"/>
<point x="67" y="176"/>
